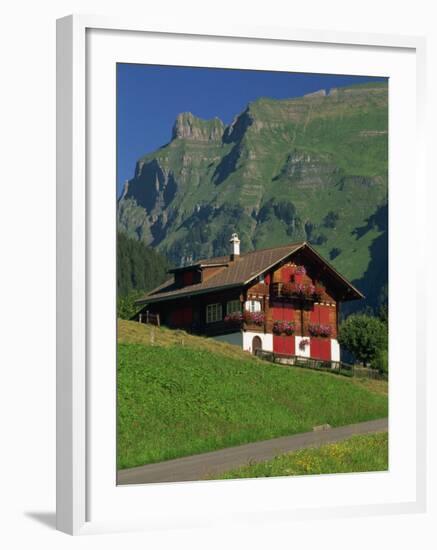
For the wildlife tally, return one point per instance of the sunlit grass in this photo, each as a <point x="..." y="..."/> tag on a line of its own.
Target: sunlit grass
<point x="363" y="453"/>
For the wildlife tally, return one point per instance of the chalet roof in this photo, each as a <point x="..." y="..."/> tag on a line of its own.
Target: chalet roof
<point x="236" y="273"/>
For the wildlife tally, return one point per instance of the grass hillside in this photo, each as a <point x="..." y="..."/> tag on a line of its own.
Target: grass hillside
<point x="361" y="453"/>
<point x="180" y="395"/>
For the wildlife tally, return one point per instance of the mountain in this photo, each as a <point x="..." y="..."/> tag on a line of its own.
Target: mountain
<point x="311" y="168"/>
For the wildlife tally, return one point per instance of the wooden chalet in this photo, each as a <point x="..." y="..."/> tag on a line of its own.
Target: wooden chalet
<point x="284" y="299"/>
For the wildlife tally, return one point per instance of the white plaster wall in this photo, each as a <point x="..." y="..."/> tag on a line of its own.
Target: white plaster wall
<point x="306" y="351"/>
<point x="335" y="350"/>
<point x="266" y="339"/>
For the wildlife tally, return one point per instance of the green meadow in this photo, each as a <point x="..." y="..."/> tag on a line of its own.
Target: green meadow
<point x="180" y="395"/>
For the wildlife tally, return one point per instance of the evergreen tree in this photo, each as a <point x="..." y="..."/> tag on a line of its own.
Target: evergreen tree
<point x="139" y="269"/>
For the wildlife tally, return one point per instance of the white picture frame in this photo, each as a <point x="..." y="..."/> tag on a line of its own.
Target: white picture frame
<point x="78" y="490"/>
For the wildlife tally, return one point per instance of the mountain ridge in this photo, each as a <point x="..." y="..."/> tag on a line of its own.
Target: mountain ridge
<point x="308" y="168"/>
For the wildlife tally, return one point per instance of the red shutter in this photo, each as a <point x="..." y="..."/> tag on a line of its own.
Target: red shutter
<point x="288" y="313"/>
<point x="320" y="314"/>
<point x="315" y="314"/>
<point x="289" y="345"/>
<point x="277" y="312"/>
<point x="267" y="279"/>
<point x="284" y="344"/>
<point x="314" y="348"/>
<point x="282" y="312"/>
<point x="324" y="314"/>
<point x="320" y="348"/>
<point x="278" y="346"/>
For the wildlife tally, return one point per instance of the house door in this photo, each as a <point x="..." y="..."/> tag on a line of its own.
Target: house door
<point x="256" y="344"/>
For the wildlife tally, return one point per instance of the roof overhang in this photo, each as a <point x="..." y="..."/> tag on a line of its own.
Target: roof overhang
<point x="354" y="293"/>
<point x="154" y="299"/>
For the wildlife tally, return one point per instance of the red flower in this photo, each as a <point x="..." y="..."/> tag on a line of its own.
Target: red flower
<point x="280" y="327"/>
<point x="316" y="329"/>
<point x="256" y="317"/>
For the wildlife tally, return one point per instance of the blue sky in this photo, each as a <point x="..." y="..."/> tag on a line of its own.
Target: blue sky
<point x="149" y="97"/>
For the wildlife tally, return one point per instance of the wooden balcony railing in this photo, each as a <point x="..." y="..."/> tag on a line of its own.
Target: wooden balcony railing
<point x="282" y="290"/>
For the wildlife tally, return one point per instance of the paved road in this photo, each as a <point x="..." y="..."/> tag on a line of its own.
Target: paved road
<point x="191" y="468"/>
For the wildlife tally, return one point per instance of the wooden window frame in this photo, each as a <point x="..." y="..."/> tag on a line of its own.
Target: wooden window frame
<point x="218" y="313"/>
<point x="231" y="309"/>
<point x="248" y="306"/>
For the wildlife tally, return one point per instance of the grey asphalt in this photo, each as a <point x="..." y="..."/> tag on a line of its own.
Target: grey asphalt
<point x="205" y="465"/>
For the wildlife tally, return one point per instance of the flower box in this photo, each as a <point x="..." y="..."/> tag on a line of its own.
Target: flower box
<point x="284" y="327"/>
<point x="235" y="317"/>
<point x="299" y="290"/>
<point x="255" y="318"/>
<point x="316" y="329"/>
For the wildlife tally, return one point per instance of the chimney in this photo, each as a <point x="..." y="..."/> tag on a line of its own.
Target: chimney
<point x="235" y="242"/>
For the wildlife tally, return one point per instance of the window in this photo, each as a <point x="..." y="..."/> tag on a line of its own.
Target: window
<point x="253" y="306"/>
<point x="213" y="313"/>
<point x="233" y="306"/>
<point x="261" y="279"/>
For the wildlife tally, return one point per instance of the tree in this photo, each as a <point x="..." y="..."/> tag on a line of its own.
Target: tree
<point x="364" y="336"/>
<point x="126" y="307"/>
<point x="138" y="267"/>
<point x="330" y="220"/>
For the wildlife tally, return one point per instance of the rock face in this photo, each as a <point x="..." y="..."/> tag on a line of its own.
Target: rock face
<point x="309" y="170"/>
<point x="276" y="174"/>
<point x="187" y="126"/>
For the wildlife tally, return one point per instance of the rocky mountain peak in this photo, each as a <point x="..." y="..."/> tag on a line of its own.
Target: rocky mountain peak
<point x="188" y="126"/>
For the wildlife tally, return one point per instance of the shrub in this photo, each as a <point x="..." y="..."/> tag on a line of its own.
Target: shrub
<point x="380" y="362"/>
<point x="126" y="307"/>
<point x="364" y="336"/>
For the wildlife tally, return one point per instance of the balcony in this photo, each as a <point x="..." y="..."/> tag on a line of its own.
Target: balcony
<point x="297" y="291"/>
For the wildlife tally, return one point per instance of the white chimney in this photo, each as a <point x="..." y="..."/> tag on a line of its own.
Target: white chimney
<point x="235" y="242"/>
